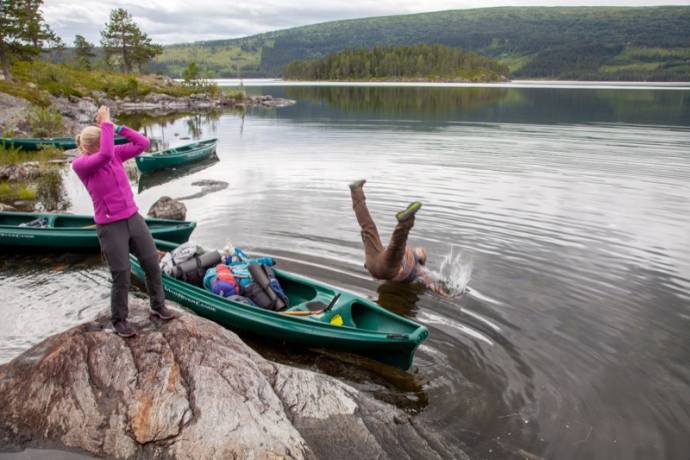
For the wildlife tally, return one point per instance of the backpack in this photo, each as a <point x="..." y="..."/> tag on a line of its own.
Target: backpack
<point x="264" y="290"/>
<point x="224" y="283"/>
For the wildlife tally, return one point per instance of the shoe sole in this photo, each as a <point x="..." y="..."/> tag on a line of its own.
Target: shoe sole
<point x="410" y="211"/>
<point x="164" y="318"/>
<point x="126" y="336"/>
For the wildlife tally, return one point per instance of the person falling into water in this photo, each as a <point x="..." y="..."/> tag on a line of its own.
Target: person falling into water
<point x="398" y="262"/>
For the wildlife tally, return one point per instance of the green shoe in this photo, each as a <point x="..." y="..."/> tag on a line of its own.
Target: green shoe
<point x="357" y="184"/>
<point x="409" y="212"/>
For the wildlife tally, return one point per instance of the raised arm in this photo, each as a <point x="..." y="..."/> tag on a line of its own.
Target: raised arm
<point x="137" y="144"/>
<point x="86" y="165"/>
<point x="424" y="277"/>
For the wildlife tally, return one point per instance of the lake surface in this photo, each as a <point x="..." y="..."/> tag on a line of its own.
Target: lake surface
<point x="567" y="209"/>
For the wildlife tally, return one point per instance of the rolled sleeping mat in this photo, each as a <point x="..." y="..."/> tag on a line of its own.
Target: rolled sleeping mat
<point x="260" y="277"/>
<point x="193" y="270"/>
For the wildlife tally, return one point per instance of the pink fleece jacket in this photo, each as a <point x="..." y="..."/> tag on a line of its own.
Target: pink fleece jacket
<point x="105" y="178"/>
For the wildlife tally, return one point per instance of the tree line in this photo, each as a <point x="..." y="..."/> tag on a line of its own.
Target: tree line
<point x="416" y="62"/>
<point x="24" y="35"/>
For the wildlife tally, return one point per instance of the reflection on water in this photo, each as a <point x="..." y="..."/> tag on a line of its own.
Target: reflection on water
<point x="50" y="191"/>
<point x="566" y="211"/>
<point x="165" y="133"/>
<point x="155" y="178"/>
<point x="506" y="105"/>
<point x="407" y="101"/>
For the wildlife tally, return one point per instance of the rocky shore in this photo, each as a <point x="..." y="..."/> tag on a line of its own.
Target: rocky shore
<point x="191" y="389"/>
<point x="78" y="112"/>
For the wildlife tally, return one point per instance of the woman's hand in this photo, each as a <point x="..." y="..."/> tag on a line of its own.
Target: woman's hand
<point x="103" y="114"/>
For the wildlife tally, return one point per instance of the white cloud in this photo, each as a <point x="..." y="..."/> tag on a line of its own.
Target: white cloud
<point x="179" y="21"/>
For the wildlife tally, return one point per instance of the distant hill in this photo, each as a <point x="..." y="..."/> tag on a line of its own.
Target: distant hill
<point x="534" y="42"/>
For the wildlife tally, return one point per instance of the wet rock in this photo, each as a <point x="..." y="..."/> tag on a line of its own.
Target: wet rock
<point x="72" y="153"/>
<point x="24" y="205"/>
<point x="168" y="208"/>
<point x="189" y="388"/>
<point x="20" y="172"/>
<point x="269" y="101"/>
<point x="207" y="186"/>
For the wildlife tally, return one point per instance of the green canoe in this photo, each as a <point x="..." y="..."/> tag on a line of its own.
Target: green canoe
<point x="64" y="143"/>
<point x="74" y="232"/>
<point x="162" y="176"/>
<point x="176" y="156"/>
<point x="367" y="329"/>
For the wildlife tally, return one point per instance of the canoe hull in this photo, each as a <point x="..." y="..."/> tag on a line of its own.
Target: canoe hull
<point x="153" y="162"/>
<point x="75" y="232"/>
<point x="64" y="143"/>
<point x="394" y="344"/>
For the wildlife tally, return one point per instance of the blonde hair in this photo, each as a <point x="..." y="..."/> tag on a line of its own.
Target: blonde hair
<point x="89" y="140"/>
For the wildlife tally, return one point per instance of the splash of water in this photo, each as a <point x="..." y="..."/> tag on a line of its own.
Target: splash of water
<point x="455" y="271"/>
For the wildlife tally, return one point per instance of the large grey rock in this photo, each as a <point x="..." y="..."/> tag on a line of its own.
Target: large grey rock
<point x="13" y="111"/>
<point x="19" y="172"/>
<point x="7" y="207"/>
<point x="191" y="389"/>
<point x="76" y="112"/>
<point x="168" y="208"/>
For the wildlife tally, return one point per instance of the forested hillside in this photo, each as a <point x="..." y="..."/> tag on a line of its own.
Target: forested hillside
<point x="535" y="42"/>
<point x="400" y="63"/>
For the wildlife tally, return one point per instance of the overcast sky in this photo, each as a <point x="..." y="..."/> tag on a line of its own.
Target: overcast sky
<point x="179" y="21"/>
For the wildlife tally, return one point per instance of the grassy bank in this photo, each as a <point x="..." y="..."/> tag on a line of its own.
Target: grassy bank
<point x="36" y="80"/>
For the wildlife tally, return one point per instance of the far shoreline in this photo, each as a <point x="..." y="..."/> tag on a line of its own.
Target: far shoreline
<point x="555" y="84"/>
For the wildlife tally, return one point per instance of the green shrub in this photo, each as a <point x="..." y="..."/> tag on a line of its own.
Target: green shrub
<point x="10" y="156"/>
<point x="45" y="122"/>
<point x="5" y="189"/>
<point x="26" y="193"/>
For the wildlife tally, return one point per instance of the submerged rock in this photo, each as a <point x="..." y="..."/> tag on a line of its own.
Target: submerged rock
<point x="168" y="208"/>
<point x="207" y="186"/>
<point x="191" y="389"/>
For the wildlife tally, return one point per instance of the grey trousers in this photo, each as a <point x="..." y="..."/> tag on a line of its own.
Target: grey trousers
<point x="117" y="239"/>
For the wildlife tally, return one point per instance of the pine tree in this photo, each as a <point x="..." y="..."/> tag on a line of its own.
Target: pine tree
<point x="83" y="51"/>
<point x="191" y="74"/>
<point x="23" y="31"/>
<point x="123" y="39"/>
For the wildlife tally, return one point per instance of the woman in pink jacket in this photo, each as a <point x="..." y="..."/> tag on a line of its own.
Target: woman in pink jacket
<point x="119" y="226"/>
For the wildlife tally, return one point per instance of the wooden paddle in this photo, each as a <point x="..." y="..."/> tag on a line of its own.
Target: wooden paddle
<point x="318" y="308"/>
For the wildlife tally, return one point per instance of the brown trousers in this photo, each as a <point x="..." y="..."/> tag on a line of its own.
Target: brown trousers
<point x="382" y="263"/>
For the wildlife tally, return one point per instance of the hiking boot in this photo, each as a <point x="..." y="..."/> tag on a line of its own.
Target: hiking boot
<point x="123" y="329"/>
<point x="164" y="313"/>
<point x="357" y="184"/>
<point x="408" y="213"/>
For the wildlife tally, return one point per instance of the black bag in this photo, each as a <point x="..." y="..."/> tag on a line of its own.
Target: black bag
<point x="193" y="270"/>
<point x="264" y="289"/>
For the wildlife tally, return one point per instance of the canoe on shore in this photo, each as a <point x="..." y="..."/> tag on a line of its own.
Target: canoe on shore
<point x="64" y="143"/>
<point x="176" y="156"/>
<point x="73" y="232"/>
<point x="354" y="324"/>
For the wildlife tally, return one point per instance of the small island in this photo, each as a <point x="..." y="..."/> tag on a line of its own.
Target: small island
<point x="400" y="63"/>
